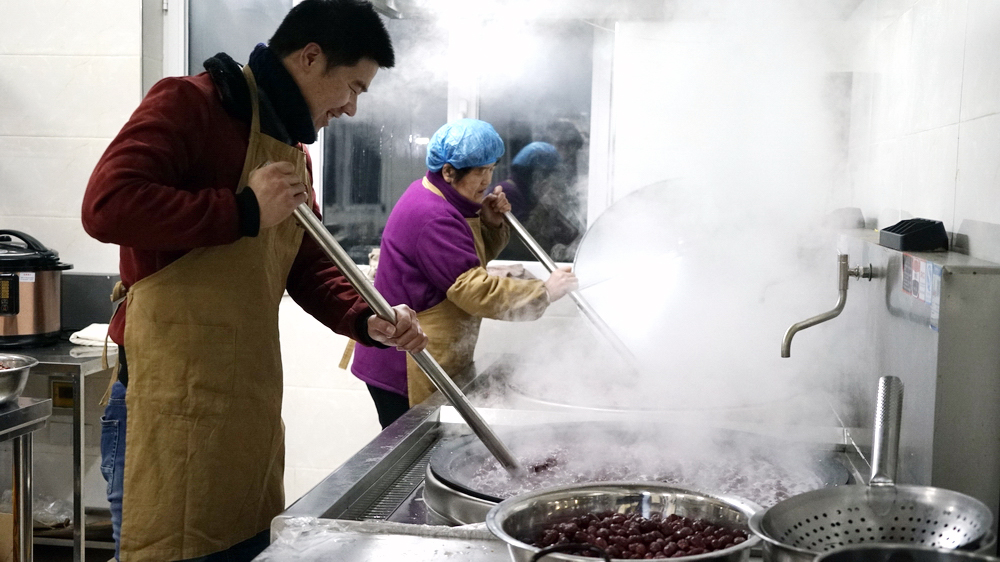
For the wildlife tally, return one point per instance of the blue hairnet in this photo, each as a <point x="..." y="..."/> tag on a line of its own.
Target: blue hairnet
<point x="465" y="143"/>
<point x="540" y="155"/>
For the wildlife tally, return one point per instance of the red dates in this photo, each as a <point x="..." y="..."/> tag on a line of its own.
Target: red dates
<point x="635" y="537"/>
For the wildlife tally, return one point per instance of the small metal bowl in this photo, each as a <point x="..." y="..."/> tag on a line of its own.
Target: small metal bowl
<point x="15" y="376"/>
<point x="900" y="553"/>
<point x="518" y="520"/>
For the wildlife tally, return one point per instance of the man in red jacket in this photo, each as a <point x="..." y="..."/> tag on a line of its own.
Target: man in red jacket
<point x="198" y="190"/>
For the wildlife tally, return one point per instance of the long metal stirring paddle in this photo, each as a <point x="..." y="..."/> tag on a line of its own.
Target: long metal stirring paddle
<point x="588" y="311"/>
<point x="304" y="214"/>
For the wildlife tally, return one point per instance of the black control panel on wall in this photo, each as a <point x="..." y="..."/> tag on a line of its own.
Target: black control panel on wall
<point x="86" y="299"/>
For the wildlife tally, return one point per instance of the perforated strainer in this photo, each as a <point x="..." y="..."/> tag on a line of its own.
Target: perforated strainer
<point x="800" y="527"/>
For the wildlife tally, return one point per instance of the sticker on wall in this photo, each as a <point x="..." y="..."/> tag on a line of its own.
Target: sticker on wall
<point x="922" y="280"/>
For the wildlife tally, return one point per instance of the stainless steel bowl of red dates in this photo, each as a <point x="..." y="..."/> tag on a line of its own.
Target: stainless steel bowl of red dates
<point x="624" y="521"/>
<point x="14" y="375"/>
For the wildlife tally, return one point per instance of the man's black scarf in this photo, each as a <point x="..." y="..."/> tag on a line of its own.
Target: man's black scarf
<point x="284" y="113"/>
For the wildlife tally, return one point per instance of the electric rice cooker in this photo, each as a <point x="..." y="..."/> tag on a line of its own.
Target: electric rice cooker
<point x="30" y="291"/>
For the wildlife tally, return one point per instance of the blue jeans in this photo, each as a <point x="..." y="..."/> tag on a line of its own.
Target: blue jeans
<point x="113" y="469"/>
<point x="113" y="456"/>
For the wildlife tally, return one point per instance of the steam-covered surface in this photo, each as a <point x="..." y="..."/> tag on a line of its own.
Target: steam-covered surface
<point x="764" y="471"/>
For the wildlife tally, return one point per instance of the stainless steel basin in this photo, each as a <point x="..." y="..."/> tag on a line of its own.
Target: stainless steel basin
<point x="13" y="375"/>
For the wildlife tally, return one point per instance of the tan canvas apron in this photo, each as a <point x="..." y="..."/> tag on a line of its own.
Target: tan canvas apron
<point x="452" y="331"/>
<point x="205" y="443"/>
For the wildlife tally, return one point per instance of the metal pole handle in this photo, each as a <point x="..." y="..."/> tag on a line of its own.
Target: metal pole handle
<point x="885" y="438"/>
<point x="588" y="311"/>
<point x="383" y="310"/>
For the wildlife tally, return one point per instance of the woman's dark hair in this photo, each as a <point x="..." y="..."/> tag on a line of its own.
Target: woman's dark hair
<point x="461" y="172"/>
<point x="346" y="30"/>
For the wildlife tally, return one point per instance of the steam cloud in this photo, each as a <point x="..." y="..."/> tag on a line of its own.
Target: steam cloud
<point x="729" y="153"/>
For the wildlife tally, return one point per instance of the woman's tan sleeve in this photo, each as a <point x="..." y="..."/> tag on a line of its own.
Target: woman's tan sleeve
<point x="501" y="298"/>
<point x="495" y="240"/>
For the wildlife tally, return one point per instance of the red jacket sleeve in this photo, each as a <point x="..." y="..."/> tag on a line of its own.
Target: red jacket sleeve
<point x="152" y="189"/>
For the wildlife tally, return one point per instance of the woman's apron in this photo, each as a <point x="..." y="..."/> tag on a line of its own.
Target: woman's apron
<point x="452" y="332"/>
<point x="205" y="443"/>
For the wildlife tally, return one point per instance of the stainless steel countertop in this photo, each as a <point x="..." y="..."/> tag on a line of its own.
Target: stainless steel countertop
<point x="66" y="358"/>
<point x="321" y="540"/>
<point x="22" y="416"/>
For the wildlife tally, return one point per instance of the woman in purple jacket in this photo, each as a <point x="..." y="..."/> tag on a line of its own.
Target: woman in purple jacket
<point x="439" y="237"/>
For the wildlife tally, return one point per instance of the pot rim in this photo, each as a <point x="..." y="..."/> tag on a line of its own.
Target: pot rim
<point x="29" y="361"/>
<point x="495" y="517"/>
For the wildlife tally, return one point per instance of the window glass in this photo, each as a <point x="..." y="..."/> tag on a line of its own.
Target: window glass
<point x="233" y="27"/>
<point x="534" y="84"/>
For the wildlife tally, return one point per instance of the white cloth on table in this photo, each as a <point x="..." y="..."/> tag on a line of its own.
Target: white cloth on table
<point x="94" y="335"/>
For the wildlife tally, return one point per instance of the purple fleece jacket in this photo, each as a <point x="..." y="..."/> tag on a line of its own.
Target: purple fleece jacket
<point x="426" y="246"/>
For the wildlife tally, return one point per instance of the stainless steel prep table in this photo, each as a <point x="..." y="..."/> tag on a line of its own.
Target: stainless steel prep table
<point x="382" y="486"/>
<point x="73" y="364"/>
<point x="320" y="540"/>
<point x="17" y="420"/>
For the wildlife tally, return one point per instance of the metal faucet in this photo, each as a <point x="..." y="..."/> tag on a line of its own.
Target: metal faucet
<point x="844" y="274"/>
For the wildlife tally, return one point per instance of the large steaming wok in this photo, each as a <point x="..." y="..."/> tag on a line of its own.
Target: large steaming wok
<point x="712" y="461"/>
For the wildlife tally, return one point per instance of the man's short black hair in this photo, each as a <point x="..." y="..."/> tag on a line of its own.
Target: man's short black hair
<point x="346" y="30"/>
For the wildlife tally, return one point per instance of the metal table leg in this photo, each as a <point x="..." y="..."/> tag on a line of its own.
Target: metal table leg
<point x="79" y="518"/>
<point x="21" y="499"/>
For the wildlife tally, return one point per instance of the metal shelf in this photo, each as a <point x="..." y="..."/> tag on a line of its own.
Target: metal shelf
<point x="62" y="361"/>
<point x="49" y="541"/>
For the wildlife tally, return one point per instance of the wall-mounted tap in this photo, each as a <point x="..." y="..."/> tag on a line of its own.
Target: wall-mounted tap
<point x="844" y="274"/>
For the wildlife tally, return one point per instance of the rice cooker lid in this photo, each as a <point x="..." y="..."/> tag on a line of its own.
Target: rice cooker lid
<point x="21" y="252"/>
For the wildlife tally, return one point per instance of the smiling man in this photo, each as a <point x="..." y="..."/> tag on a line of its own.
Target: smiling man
<point x="198" y="189"/>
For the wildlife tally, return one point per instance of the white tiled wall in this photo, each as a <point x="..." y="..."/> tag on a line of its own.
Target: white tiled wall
<point x="926" y="116"/>
<point x="703" y="94"/>
<point x="69" y="78"/>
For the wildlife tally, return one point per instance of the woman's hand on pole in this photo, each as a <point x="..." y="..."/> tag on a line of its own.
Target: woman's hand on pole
<point x="561" y="282"/>
<point x="404" y="335"/>
<point x="494" y="206"/>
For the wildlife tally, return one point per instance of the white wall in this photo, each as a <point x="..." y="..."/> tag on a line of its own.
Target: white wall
<point x="729" y="111"/>
<point x="69" y="78"/>
<point x="925" y="122"/>
<point x="736" y="99"/>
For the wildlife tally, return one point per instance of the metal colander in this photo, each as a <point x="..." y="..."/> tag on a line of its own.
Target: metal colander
<point x="807" y="524"/>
